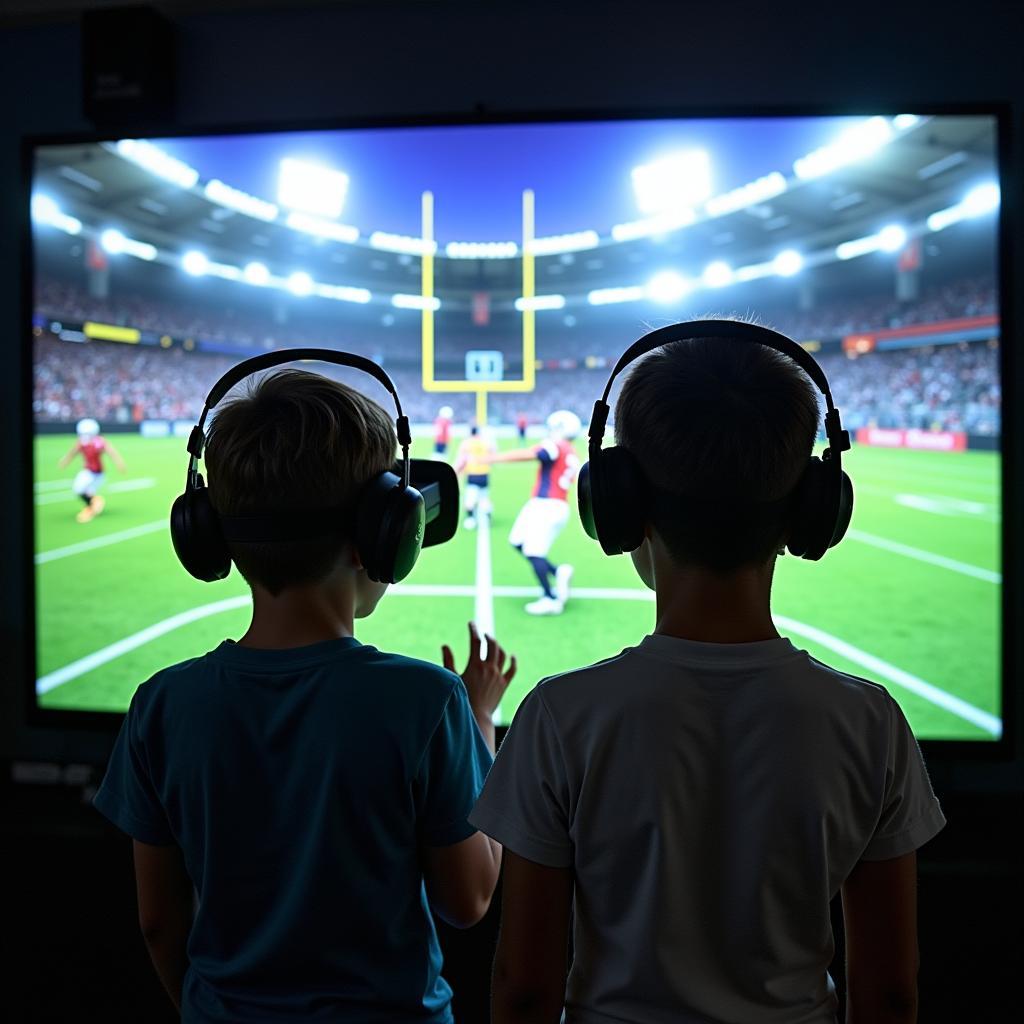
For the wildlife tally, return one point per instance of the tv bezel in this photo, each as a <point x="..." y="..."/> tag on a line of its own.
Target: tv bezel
<point x="1000" y="749"/>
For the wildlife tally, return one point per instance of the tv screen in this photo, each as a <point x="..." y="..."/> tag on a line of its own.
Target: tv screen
<point x="496" y="271"/>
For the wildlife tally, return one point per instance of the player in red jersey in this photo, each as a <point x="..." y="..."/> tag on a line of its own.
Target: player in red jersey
<point x="88" y="480"/>
<point x="545" y="514"/>
<point x="521" y="424"/>
<point x="442" y="431"/>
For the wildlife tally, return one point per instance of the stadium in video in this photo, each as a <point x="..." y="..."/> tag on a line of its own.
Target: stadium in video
<point x="496" y="272"/>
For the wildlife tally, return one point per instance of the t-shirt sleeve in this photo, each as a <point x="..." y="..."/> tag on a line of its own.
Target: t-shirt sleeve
<point x="127" y="794"/>
<point x="451" y="773"/>
<point x="910" y="811"/>
<point x="546" y="452"/>
<point x="525" y="802"/>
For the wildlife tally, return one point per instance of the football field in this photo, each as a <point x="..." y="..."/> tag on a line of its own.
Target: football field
<point x="911" y="598"/>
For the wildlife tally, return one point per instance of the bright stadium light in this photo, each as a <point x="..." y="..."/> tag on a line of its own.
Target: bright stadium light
<point x="573" y="242"/>
<point x="402" y="243"/>
<point x="157" y="162"/>
<point x="753" y="271"/>
<point x="981" y="199"/>
<point x="228" y="271"/>
<point x="606" y="296"/>
<point x="891" y="238"/>
<point x="901" y="122"/>
<point x="481" y="250"/>
<point x="195" y="263"/>
<point x="46" y="211"/>
<point x="717" y="274"/>
<point x="757" y="191"/>
<point x="672" y="182"/>
<point x="788" y="263"/>
<point x="112" y="241"/>
<point x="235" y="199"/>
<point x="256" y="273"/>
<point x="540" y="302"/>
<point x="659" y="225"/>
<point x="416" y="302"/>
<point x="343" y="292"/>
<point x="856" y="143"/>
<point x="300" y="283"/>
<point x="322" y="228"/>
<point x="668" y="287"/>
<point x="312" y="188"/>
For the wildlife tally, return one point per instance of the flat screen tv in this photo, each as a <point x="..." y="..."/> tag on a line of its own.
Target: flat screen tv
<point x="496" y="270"/>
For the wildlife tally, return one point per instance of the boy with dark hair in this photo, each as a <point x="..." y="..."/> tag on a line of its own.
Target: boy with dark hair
<point x="693" y="804"/>
<point x="312" y="792"/>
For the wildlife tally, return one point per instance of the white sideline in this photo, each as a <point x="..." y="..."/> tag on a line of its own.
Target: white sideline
<point x="483" y="605"/>
<point x="990" y="723"/>
<point x="101" y="541"/>
<point x="926" y="556"/>
<point x="933" y="694"/>
<point x="118" y="487"/>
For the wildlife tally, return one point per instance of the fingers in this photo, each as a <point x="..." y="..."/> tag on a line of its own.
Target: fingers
<point x="475" y="643"/>
<point x="447" y="658"/>
<point x="510" y="674"/>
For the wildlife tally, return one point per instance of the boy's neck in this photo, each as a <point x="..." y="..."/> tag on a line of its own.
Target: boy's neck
<point x="696" y="604"/>
<point x="299" y="616"/>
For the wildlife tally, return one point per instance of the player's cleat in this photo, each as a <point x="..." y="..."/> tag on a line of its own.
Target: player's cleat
<point x="563" y="575"/>
<point x="85" y="514"/>
<point x="545" y="606"/>
<point x="98" y="504"/>
<point x="470" y="523"/>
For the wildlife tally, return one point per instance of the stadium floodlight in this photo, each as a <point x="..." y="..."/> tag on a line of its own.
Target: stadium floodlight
<point x="112" y="241"/>
<point x="788" y="263"/>
<point x="660" y="225"/>
<point x="416" y="302"/>
<point x="981" y="199"/>
<point x="757" y="191"/>
<point x="46" y="211"/>
<point x="343" y="292"/>
<point x="311" y="187"/>
<point x="901" y="122"/>
<point x="157" y="162"/>
<point x="753" y="271"/>
<point x="300" y="283"/>
<point x="891" y="238"/>
<point x="717" y="274"/>
<point x="856" y="143"/>
<point x="941" y="219"/>
<point x="228" y="271"/>
<point x="256" y="273"/>
<point x="115" y="242"/>
<point x="481" y="250"/>
<point x="322" y="228"/>
<point x="606" y="296"/>
<point x="672" y="182"/>
<point x="235" y="199"/>
<point x="195" y="263"/>
<point x="573" y="242"/>
<point x="668" y="287"/>
<point x="402" y="243"/>
<point x="540" y="302"/>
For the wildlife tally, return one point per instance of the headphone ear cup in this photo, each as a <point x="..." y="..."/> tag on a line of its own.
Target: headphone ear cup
<point x="389" y="525"/>
<point x="821" y="510"/>
<point x="197" y="537"/>
<point x="845" y="511"/>
<point x="615" y="489"/>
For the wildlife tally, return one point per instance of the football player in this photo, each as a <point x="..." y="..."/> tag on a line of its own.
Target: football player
<point x="442" y="431"/>
<point x="88" y="480"/>
<point x="473" y="462"/>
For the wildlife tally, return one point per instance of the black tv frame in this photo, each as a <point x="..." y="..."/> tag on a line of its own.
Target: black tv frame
<point x="1002" y="749"/>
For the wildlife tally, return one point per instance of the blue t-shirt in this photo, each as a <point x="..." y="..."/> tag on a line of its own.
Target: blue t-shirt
<point x="299" y="785"/>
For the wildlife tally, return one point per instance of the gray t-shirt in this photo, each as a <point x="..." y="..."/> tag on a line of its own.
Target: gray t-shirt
<point x="711" y="800"/>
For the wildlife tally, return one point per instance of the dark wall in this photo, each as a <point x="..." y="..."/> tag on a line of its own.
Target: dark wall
<point x="391" y="58"/>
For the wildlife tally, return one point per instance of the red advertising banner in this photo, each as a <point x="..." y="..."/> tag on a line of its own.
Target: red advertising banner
<point x="922" y="440"/>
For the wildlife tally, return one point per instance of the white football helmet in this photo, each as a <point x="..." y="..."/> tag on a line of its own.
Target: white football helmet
<point x="564" y="424"/>
<point x="87" y="428"/>
<point x="446" y="412"/>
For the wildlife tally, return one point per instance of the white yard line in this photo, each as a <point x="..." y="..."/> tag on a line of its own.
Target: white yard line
<point x="933" y="694"/>
<point x="483" y="605"/>
<point x="964" y="568"/>
<point x="118" y="487"/>
<point x="102" y="541"/>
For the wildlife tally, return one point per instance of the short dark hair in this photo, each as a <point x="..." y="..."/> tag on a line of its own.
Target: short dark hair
<point x="722" y="430"/>
<point x="293" y="441"/>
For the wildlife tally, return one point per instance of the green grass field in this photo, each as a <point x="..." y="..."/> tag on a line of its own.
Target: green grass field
<point x="911" y="598"/>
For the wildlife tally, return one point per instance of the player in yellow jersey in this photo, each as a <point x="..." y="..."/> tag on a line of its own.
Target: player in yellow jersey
<point x="473" y="462"/>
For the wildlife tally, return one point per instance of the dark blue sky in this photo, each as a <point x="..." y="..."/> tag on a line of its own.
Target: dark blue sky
<point x="579" y="171"/>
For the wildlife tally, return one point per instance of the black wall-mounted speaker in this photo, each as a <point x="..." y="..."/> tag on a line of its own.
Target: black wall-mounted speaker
<point x="128" y="66"/>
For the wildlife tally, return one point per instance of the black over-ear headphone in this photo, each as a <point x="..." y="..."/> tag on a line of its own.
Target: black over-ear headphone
<point x="392" y="519"/>
<point x="611" y="484"/>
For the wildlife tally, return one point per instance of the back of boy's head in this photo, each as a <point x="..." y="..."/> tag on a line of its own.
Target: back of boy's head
<point x="295" y="441"/>
<point x="722" y="430"/>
